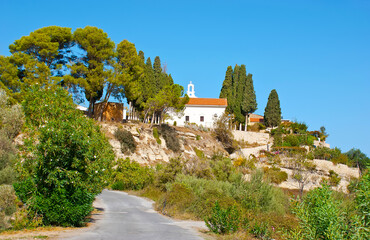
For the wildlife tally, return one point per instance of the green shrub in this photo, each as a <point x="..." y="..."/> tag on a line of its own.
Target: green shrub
<point x="223" y="133"/>
<point x="11" y="117"/>
<point x="197" y="137"/>
<point x="126" y="139"/>
<point x="174" y="123"/>
<point x="362" y="200"/>
<point x="198" y="167"/>
<point x="7" y="205"/>
<point x="275" y="175"/>
<point x="168" y="172"/>
<point x="321" y="217"/>
<point x="222" y="167"/>
<point x="223" y="221"/>
<point x="358" y="159"/>
<point x="156" y="135"/>
<point x="325" y="153"/>
<point x="334" y="178"/>
<point x="277" y="135"/>
<point x="7" y="157"/>
<point x="260" y="230"/>
<point x="177" y="199"/>
<point x="70" y="162"/>
<point x="259" y="195"/>
<point x="342" y="158"/>
<point x="129" y="175"/>
<point x="170" y="136"/>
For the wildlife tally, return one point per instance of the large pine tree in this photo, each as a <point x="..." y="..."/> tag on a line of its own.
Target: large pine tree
<point x="273" y="110"/>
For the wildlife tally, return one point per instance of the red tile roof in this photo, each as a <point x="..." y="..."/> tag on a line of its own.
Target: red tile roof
<point x="208" y="101"/>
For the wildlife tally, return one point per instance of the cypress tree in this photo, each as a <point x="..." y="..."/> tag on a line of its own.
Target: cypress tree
<point x="227" y="84"/>
<point x="236" y="100"/>
<point x="249" y="103"/>
<point x="141" y="55"/>
<point x="273" y="111"/>
<point x="149" y="88"/>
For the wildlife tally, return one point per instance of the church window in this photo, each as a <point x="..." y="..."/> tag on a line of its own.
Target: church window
<point x="202" y="118"/>
<point x="187" y="119"/>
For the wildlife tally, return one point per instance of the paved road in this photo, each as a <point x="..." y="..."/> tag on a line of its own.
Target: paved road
<point x="132" y="218"/>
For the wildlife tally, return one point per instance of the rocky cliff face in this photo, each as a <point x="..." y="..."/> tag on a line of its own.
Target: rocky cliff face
<point x="148" y="151"/>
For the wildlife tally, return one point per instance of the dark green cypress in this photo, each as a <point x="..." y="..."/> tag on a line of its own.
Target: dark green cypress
<point x="149" y="82"/>
<point x="141" y="55"/>
<point x="273" y="110"/>
<point x="249" y="103"/>
<point x="227" y="84"/>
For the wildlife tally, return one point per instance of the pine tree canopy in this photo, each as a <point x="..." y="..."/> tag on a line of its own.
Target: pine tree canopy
<point x="273" y="111"/>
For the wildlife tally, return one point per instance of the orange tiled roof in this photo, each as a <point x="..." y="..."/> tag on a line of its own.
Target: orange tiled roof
<point x="256" y="119"/>
<point x="208" y="101"/>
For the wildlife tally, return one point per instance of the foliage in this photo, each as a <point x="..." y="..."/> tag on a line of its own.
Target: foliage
<point x="156" y="135"/>
<point x="11" y="117"/>
<point x="260" y="230"/>
<point x="275" y="175"/>
<point x="259" y="195"/>
<point x="11" y="122"/>
<point x="334" y="178"/>
<point x="169" y="172"/>
<point x="168" y="98"/>
<point x="239" y="91"/>
<point x="7" y="205"/>
<point x="325" y="153"/>
<point x="302" y="169"/>
<point x="278" y="139"/>
<point x="223" y="221"/>
<point x="89" y="72"/>
<point x="170" y="136"/>
<point x="128" y="143"/>
<point x="223" y="133"/>
<point x="298" y="140"/>
<point x="362" y="199"/>
<point x="70" y="162"/>
<point x="222" y="167"/>
<point x="321" y="217"/>
<point x="129" y="175"/>
<point x="272" y="114"/>
<point x="358" y="159"/>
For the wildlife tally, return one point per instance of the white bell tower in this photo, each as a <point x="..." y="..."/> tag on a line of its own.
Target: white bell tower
<point x="191" y="91"/>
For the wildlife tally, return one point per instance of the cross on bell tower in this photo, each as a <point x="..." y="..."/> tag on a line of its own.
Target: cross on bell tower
<point x="191" y="91"/>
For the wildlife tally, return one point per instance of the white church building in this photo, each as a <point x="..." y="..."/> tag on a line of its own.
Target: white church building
<point x="201" y="111"/>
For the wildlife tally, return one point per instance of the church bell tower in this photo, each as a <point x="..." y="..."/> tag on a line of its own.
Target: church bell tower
<point x="191" y="91"/>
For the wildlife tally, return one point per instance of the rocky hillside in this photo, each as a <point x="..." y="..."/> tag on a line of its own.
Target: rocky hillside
<point x="148" y="151"/>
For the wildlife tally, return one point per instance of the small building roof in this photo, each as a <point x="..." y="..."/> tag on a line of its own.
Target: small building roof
<point x="208" y="101"/>
<point x="252" y="115"/>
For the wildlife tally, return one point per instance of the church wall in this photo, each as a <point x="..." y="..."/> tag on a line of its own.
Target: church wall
<point x="195" y="113"/>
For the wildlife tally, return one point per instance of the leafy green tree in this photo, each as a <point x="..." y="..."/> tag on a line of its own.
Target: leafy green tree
<point x="49" y="45"/>
<point x="358" y="159"/>
<point x="273" y="111"/>
<point x="61" y="174"/>
<point x="131" y="69"/>
<point x="90" y="71"/>
<point x="168" y="98"/>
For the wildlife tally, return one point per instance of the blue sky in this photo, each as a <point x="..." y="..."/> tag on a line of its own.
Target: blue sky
<point x="316" y="53"/>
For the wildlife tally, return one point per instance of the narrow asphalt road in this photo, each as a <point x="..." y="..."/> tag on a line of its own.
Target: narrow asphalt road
<point x="132" y="218"/>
